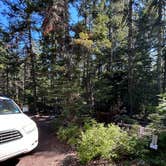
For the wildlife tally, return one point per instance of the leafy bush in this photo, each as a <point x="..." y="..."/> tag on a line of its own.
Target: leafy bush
<point x="140" y="147"/>
<point x="94" y="140"/>
<point x="105" y="142"/>
<point x="72" y="132"/>
<point x="69" y="134"/>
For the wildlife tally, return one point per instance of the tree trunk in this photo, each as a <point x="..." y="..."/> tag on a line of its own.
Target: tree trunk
<point x="164" y="81"/>
<point x="24" y="82"/>
<point x="33" y="74"/>
<point x="159" y="47"/>
<point x="164" y="51"/>
<point x="130" y="54"/>
<point x="7" y="81"/>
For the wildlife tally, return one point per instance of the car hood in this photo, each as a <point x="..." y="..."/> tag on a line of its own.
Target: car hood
<point x="14" y="121"/>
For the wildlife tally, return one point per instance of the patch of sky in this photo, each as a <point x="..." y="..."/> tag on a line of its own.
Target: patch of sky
<point x="37" y="21"/>
<point x="3" y="18"/>
<point x="74" y="16"/>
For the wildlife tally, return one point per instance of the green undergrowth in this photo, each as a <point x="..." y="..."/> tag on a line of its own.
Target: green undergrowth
<point x="94" y="141"/>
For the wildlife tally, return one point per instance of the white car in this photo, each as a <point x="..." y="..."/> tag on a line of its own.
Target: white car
<point x="18" y="133"/>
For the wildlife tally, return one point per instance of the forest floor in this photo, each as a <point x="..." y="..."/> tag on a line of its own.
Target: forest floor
<point x="50" y="151"/>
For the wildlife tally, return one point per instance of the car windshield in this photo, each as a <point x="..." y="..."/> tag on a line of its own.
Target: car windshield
<point x="8" y="107"/>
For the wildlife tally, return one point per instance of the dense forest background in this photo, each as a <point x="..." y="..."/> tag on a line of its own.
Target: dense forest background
<point x="111" y="59"/>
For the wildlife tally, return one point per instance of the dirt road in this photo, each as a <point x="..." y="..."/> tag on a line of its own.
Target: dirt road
<point x="50" y="152"/>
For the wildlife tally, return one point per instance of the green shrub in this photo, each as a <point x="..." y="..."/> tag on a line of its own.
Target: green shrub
<point x="140" y="147"/>
<point x="88" y="123"/>
<point x="105" y="142"/>
<point x="94" y="140"/>
<point x="69" y="134"/>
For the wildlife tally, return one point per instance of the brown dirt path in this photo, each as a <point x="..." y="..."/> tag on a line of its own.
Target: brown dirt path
<point x="50" y="152"/>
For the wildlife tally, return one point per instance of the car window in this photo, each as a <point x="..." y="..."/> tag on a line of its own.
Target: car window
<point x="8" y="107"/>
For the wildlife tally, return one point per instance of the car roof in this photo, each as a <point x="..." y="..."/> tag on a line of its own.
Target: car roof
<point x="4" y="98"/>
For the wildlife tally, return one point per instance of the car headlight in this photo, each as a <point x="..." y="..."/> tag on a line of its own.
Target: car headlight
<point x="29" y="128"/>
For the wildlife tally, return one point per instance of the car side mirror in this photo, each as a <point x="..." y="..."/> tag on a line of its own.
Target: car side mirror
<point x="25" y="108"/>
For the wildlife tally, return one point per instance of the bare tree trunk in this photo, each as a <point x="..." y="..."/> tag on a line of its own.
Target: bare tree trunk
<point x="112" y="49"/>
<point x="159" y="46"/>
<point x="24" y="81"/>
<point x="164" y="51"/>
<point x="7" y="81"/>
<point x="33" y="74"/>
<point x="130" y="54"/>
<point x="164" y="81"/>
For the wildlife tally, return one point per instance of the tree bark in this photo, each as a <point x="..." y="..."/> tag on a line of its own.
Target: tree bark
<point x="164" y="50"/>
<point x="7" y="81"/>
<point x="159" y="47"/>
<point x="164" y="81"/>
<point x="130" y="54"/>
<point x="33" y="74"/>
